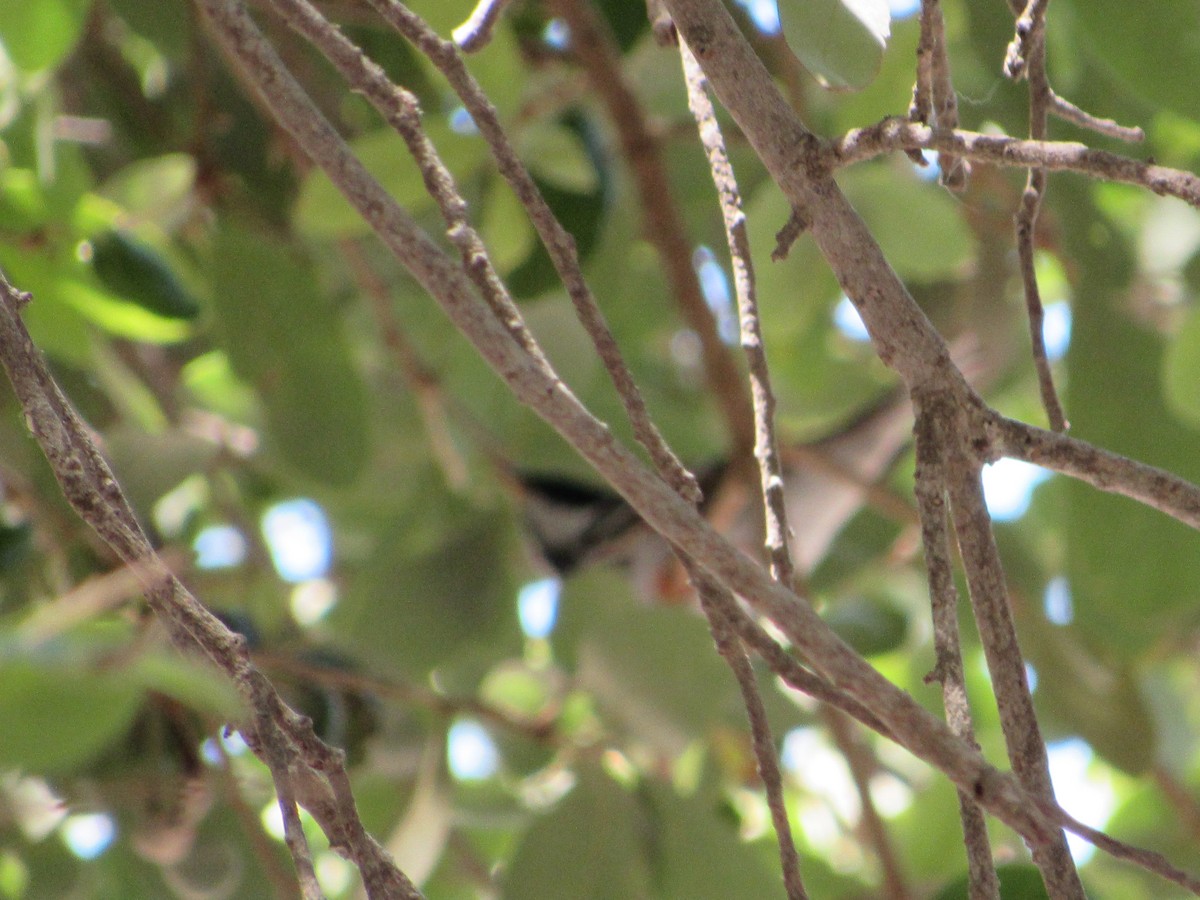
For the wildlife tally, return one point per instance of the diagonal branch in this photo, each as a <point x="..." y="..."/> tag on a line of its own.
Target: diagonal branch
<point x="943" y="595"/>
<point x="559" y="244"/>
<point x="998" y="634"/>
<point x="306" y="770"/>
<point x="658" y="504"/>
<point x="665" y="229"/>
<point x="766" y="444"/>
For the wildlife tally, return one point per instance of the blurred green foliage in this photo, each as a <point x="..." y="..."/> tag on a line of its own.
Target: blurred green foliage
<point x="237" y="339"/>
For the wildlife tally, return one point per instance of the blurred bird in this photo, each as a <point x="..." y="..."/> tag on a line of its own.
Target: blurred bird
<point x="573" y="525"/>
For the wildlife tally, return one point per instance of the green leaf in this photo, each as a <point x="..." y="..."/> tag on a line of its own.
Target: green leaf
<point x="38" y="35"/>
<point x="918" y="224"/>
<point x="654" y="671"/>
<point x="1018" y="881"/>
<point x="698" y="854"/>
<point x="150" y="465"/>
<point x="1153" y="52"/>
<point x="60" y="715"/>
<point x="1127" y="594"/>
<point x="437" y="591"/>
<point x="159" y="188"/>
<point x="589" y="848"/>
<point x="55" y="326"/>
<point x="869" y="626"/>
<point x="557" y="155"/>
<point x="200" y="687"/>
<point x="23" y="204"/>
<point x="281" y="334"/>
<point x="134" y="270"/>
<point x="1181" y="370"/>
<point x="840" y="41"/>
<point x="120" y="317"/>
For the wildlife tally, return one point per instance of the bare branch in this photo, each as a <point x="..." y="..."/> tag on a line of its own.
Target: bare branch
<point x="770" y="468"/>
<point x="476" y="32"/>
<point x="934" y="101"/>
<point x="1027" y="59"/>
<point x="943" y="595"/>
<point x="1069" y="112"/>
<point x="766" y="445"/>
<point x="715" y="600"/>
<point x="402" y="112"/>
<point x="92" y="490"/>
<point x="903" y="335"/>
<point x="558" y="243"/>
<point x="998" y="634"/>
<point x="1103" y="469"/>
<point x="665" y="229"/>
<point x="1064" y="156"/>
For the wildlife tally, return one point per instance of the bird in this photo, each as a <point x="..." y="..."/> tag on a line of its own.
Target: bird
<point x="573" y="525"/>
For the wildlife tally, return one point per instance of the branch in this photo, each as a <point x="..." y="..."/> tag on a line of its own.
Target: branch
<point x="1065" y="156"/>
<point x="665" y="229"/>
<point x="943" y="594"/>
<point x="998" y="634"/>
<point x="934" y="101"/>
<point x="655" y="501"/>
<point x="660" y="506"/>
<point x="1103" y="469"/>
<point x="715" y="600"/>
<point x="476" y="32"/>
<point x="766" y="450"/>
<point x="1027" y="58"/>
<point x="766" y="444"/>
<point x="303" y="766"/>
<point x="559" y="244"/>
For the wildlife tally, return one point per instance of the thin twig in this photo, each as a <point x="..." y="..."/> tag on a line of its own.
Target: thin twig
<point x="1027" y="59"/>
<point x="998" y="635"/>
<point x="1069" y="112"/>
<point x="559" y="244"/>
<point x="766" y="444"/>
<point x="595" y="48"/>
<point x="265" y="849"/>
<point x="714" y="600"/>
<point x="401" y="110"/>
<point x="770" y="469"/>
<point x="476" y="32"/>
<point x="1149" y="860"/>
<point x="792" y="673"/>
<point x="1103" y="469"/>
<point x="943" y="595"/>
<point x="276" y="756"/>
<point x="934" y="102"/>
<point x="90" y="487"/>
<point x="1061" y="156"/>
<point x="1030" y="29"/>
